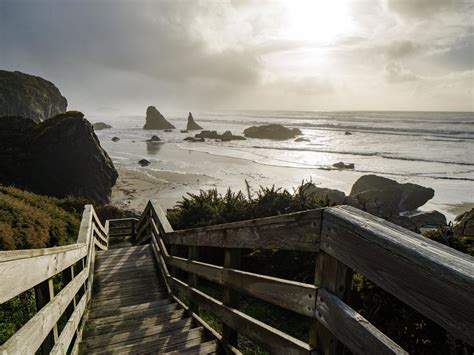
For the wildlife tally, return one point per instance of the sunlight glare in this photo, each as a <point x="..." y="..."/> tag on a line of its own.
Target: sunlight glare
<point x="320" y="21"/>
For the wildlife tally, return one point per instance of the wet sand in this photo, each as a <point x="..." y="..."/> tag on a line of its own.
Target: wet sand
<point x="175" y="171"/>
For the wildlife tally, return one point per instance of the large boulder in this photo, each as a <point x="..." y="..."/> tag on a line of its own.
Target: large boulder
<point x="192" y="125"/>
<point x="385" y="197"/>
<point x="330" y="197"/>
<point x="59" y="157"/>
<point x="29" y="96"/>
<point x="98" y="126"/>
<point x="427" y="219"/>
<point x="272" y="131"/>
<point x="155" y="120"/>
<point x="465" y="224"/>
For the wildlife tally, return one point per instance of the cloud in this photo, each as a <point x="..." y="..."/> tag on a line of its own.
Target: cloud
<point x="400" y="49"/>
<point x="426" y="8"/>
<point x="395" y="72"/>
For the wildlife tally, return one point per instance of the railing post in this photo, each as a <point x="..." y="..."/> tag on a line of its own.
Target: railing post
<point x="134" y="232"/>
<point x="68" y="275"/>
<point x="337" y="278"/>
<point x="44" y="292"/>
<point x="232" y="259"/>
<point x="193" y="279"/>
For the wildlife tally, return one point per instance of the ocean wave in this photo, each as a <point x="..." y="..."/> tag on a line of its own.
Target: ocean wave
<point x="384" y="155"/>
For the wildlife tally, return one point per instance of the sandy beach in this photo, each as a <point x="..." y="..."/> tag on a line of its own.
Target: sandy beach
<point x="176" y="171"/>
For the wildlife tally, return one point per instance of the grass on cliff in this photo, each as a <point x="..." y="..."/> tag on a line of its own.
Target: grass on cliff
<point x="29" y="221"/>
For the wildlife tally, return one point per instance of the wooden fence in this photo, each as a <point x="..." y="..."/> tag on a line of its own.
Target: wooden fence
<point x="433" y="279"/>
<point x="37" y="269"/>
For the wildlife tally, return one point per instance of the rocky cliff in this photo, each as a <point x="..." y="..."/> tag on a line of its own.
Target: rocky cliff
<point x="155" y="120"/>
<point x="29" y="96"/>
<point x="59" y="157"/>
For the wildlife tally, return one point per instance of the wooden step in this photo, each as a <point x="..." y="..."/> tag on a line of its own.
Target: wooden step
<point x="106" y="311"/>
<point x="133" y="289"/>
<point x="126" y="275"/>
<point x="173" y="340"/>
<point x="118" y="296"/>
<point x="164" y="317"/>
<point x="150" y="312"/>
<point x="209" y="347"/>
<point x="138" y="279"/>
<point x="136" y="248"/>
<point x="128" y="335"/>
<point x="125" y="265"/>
<point x="129" y="300"/>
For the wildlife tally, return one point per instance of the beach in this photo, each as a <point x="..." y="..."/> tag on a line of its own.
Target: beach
<point x="432" y="149"/>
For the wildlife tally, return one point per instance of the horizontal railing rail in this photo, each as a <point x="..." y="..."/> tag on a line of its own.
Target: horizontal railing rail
<point x="122" y="227"/>
<point x="431" y="278"/>
<point x="22" y="270"/>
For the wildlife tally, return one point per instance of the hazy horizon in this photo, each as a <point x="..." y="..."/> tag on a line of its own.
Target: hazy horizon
<point x="121" y="56"/>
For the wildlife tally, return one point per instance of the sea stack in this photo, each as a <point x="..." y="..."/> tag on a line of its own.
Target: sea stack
<point x="192" y="125"/>
<point x="155" y="120"/>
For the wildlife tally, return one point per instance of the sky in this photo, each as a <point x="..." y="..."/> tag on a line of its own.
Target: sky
<point x="121" y="56"/>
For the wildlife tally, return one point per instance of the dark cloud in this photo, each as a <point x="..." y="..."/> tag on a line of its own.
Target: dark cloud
<point x="158" y="40"/>
<point x="427" y="8"/>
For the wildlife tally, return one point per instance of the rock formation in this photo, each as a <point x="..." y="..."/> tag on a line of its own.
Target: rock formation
<point x="386" y="197"/>
<point x="155" y="120"/>
<point x="29" y="96"/>
<point x="115" y="139"/>
<point x="301" y="139"/>
<point x="272" y="131"/>
<point x="98" y="126"/>
<point x="154" y="138"/>
<point x="59" y="157"/>
<point x="465" y="224"/>
<point x="342" y="165"/>
<point x="225" y="137"/>
<point x="192" y="125"/>
<point x="144" y="162"/>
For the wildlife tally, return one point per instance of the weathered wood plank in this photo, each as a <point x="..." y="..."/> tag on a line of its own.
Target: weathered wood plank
<point x="295" y="296"/>
<point x="131" y="324"/>
<point x="70" y="328"/>
<point x="231" y="297"/>
<point x="430" y="277"/>
<point x="33" y="270"/>
<point x="29" y="338"/>
<point x="337" y="277"/>
<point x="261" y="333"/>
<point x="294" y="231"/>
<point x="357" y="333"/>
<point x="127" y="335"/>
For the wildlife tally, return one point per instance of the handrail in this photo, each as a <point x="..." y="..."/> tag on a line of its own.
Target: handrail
<point x="36" y="269"/>
<point x="430" y="277"/>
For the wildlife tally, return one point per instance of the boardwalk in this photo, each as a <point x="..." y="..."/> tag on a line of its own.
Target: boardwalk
<point x="147" y="298"/>
<point x="131" y="311"/>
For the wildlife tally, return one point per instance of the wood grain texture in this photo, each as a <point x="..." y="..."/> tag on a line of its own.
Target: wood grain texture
<point x="33" y="270"/>
<point x="29" y="338"/>
<point x="259" y="332"/>
<point x="294" y="231"/>
<point x="294" y="296"/>
<point x="351" y="328"/>
<point x="70" y="328"/>
<point x="434" y="279"/>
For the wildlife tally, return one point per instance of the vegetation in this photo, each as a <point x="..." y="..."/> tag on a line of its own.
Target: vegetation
<point x="411" y="330"/>
<point x="28" y="220"/>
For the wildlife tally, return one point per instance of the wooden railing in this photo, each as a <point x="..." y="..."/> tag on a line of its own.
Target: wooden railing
<point x="38" y="269"/>
<point x="433" y="279"/>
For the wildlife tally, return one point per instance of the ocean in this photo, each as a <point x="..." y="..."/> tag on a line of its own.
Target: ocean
<point x="435" y="149"/>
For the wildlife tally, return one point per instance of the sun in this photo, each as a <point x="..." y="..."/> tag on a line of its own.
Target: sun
<point x="320" y="21"/>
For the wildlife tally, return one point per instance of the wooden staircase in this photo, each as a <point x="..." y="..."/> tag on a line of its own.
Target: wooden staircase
<point x="93" y="298"/>
<point x="132" y="312"/>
